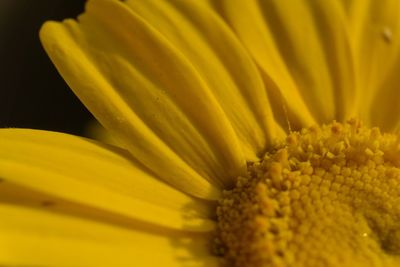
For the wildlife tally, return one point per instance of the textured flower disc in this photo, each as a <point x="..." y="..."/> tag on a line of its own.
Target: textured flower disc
<point x="326" y="196"/>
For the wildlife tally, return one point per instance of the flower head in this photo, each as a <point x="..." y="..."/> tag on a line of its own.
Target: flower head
<point x="236" y="139"/>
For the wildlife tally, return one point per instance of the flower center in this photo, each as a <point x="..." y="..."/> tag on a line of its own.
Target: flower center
<point x="326" y="196"/>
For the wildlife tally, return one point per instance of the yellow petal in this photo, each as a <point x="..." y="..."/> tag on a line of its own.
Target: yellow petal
<point x="301" y="48"/>
<point x="222" y="62"/>
<point x="384" y="110"/>
<point x="145" y="92"/>
<point x="32" y="237"/>
<point x="96" y="131"/>
<point x="76" y="170"/>
<point x="375" y="39"/>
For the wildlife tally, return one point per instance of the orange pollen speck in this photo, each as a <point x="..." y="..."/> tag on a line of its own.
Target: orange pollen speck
<point x="326" y="196"/>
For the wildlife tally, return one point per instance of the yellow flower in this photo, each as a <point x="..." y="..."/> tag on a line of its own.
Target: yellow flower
<point x="229" y="151"/>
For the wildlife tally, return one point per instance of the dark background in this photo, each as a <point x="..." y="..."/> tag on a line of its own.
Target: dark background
<point x="32" y="93"/>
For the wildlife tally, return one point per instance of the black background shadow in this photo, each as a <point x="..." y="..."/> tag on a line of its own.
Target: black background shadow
<point x="32" y="93"/>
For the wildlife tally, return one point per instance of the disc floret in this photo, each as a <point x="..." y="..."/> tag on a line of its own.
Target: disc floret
<point x="325" y="196"/>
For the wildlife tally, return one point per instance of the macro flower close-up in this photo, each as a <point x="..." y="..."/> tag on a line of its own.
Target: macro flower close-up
<point x="248" y="133"/>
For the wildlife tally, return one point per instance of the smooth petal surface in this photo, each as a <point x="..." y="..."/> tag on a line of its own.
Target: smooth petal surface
<point x="302" y="49"/>
<point x="219" y="58"/>
<point x="148" y="94"/>
<point x="385" y="109"/>
<point x="71" y="170"/>
<point x="375" y="39"/>
<point x="32" y="237"/>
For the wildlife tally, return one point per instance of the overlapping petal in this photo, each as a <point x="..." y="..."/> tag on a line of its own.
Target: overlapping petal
<point x="303" y="51"/>
<point x="221" y="61"/>
<point x="33" y="237"/>
<point x="375" y="38"/>
<point x="147" y="93"/>
<point x="72" y="172"/>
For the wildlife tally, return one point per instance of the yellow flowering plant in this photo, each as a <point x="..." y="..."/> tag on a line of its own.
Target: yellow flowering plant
<point x="248" y="133"/>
